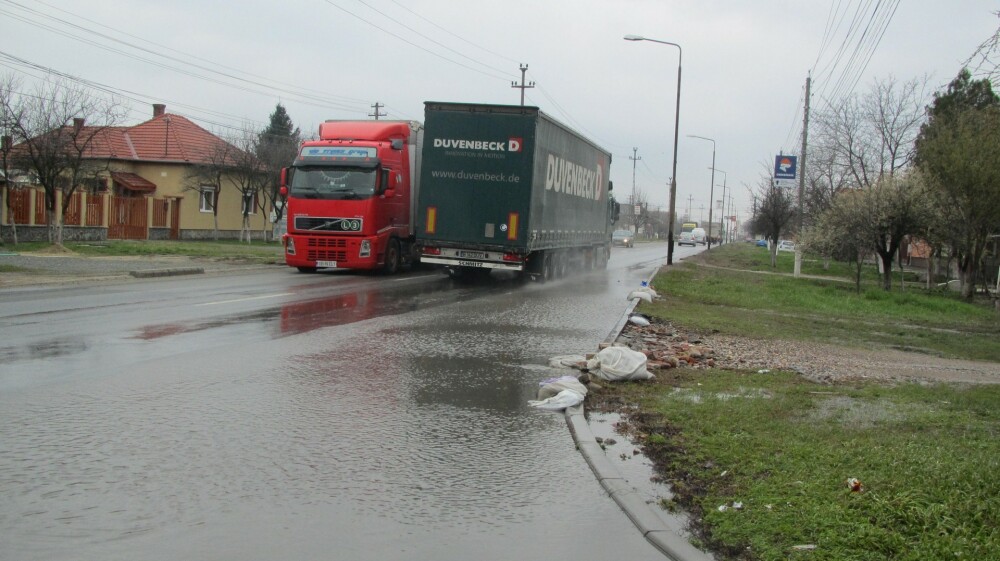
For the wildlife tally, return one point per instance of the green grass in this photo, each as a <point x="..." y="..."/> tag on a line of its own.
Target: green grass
<point x="768" y="306"/>
<point x="927" y="457"/>
<point x="783" y="447"/>
<point x="753" y="258"/>
<point x="263" y="252"/>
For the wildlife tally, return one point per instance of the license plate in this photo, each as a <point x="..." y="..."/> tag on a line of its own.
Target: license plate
<point x="327" y="264"/>
<point x="472" y="254"/>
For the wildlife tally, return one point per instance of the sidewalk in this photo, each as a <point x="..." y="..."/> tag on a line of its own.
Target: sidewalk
<point x="18" y="270"/>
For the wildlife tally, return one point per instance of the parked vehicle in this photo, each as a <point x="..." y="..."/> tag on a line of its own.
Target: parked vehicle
<point x="699" y="236"/>
<point x="786" y="245"/>
<point x="761" y="243"/>
<point x="351" y="197"/>
<point x="686" y="238"/>
<point x="623" y="238"/>
<point x="509" y="188"/>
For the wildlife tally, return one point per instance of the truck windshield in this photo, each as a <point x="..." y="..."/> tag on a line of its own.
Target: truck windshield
<point x="322" y="182"/>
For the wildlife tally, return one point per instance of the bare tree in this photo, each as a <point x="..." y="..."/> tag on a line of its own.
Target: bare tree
<point x="872" y="136"/>
<point x="52" y="140"/>
<point x="9" y="85"/>
<point x="208" y="175"/>
<point x="985" y="61"/>
<point x="247" y="173"/>
<point x="775" y="209"/>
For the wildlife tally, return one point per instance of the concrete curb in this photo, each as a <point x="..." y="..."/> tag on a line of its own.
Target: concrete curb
<point x="628" y="499"/>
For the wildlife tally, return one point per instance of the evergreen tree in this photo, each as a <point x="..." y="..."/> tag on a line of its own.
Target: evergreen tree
<point x="276" y="148"/>
<point x="959" y="150"/>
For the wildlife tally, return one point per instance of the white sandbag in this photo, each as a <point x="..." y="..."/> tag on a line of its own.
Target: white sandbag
<point x="551" y="387"/>
<point x="641" y="295"/>
<point x="562" y="400"/>
<point x="639" y="320"/>
<point x="568" y="361"/>
<point x="619" y="363"/>
<point x="649" y="289"/>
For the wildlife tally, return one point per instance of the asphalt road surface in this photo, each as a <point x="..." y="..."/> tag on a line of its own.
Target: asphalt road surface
<point x="276" y="415"/>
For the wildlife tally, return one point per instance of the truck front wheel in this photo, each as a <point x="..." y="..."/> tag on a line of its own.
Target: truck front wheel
<point x="392" y="257"/>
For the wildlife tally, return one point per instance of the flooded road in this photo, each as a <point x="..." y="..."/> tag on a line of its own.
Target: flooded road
<point x="305" y="417"/>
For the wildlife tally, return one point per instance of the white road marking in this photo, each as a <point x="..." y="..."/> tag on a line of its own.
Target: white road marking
<point x="245" y="299"/>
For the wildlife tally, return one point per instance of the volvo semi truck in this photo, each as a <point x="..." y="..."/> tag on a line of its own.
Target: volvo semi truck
<point x="351" y="197"/>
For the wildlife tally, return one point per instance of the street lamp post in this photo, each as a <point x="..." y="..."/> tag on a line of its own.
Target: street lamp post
<point x="677" y="118"/>
<point x="711" y="188"/>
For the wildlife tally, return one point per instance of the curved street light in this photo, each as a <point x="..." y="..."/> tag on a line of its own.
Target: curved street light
<point x="677" y="118"/>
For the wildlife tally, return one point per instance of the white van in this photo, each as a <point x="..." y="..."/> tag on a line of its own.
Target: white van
<point x="699" y="236"/>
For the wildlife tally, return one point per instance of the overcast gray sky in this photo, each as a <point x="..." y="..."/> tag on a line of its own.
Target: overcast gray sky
<point x="226" y="64"/>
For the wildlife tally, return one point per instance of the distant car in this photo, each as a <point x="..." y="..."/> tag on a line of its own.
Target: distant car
<point x="761" y="243"/>
<point x="623" y="238"/>
<point x="786" y="245"/>
<point x="699" y="236"/>
<point x="687" y="238"/>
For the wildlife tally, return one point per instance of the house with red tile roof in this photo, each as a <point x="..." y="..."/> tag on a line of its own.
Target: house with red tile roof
<point x="147" y="188"/>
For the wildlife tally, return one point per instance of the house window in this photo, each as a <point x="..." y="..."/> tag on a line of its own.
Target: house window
<point x="207" y="199"/>
<point x="96" y="184"/>
<point x="249" y="203"/>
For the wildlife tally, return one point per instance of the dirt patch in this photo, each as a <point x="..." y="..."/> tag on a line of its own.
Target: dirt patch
<point x="669" y="346"/>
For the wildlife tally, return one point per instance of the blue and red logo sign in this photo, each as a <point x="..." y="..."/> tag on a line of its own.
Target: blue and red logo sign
<point x="785" y="167"/>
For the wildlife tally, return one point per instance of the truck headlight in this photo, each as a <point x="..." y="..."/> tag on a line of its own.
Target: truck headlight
<point x="366" y="248"/>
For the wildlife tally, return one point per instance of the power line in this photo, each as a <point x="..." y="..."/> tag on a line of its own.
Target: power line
<point x="412" y="44"/>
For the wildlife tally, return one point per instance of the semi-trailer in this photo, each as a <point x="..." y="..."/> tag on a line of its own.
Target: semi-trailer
<point x="508" y="187"/>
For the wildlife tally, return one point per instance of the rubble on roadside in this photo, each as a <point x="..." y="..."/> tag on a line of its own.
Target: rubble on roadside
<point x="667" y="347"/>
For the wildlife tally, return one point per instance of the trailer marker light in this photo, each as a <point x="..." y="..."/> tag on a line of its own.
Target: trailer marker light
<point x="512" y="257"/>
<point x="432" y="250"/>
<point x="512" y="225"/>
<point x="432" y="215"/>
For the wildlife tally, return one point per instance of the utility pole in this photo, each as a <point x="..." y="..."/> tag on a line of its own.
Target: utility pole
<point x="802" y="179"/>
<point x="690" y="201"/>
<point x="376" y="114"/>
<point x="634" y="159"/>
<point x="522" y="86"/>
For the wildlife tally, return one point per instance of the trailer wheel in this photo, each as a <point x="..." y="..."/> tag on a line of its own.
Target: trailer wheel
<point x="392" y="257"/>
<point x="561" y="264"/>
<point x="548" y="267"/>
<point x="306" y="269"/>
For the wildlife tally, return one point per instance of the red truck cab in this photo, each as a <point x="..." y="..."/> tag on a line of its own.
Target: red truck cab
<point x="351" y="197"/>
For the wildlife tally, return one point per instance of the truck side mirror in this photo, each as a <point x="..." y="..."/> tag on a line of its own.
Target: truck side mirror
<point x="383" y="186"/>
<point x="617" y="211"/>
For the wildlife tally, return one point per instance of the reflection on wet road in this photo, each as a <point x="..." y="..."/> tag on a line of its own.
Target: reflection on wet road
<point x="384" y="422"/>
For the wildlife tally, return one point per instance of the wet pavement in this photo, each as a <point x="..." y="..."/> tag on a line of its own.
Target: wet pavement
<point x="384" y="425"/>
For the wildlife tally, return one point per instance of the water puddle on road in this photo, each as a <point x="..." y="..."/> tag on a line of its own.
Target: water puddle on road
<point x="637" y="470"/>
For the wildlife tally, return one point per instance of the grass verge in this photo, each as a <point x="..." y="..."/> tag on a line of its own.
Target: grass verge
<point x="719" y="296"/>
<point x="763" y="461"/>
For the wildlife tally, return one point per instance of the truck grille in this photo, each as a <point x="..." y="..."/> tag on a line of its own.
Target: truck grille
<point x="328" y="224"/>
<point x="321" y="249"/>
